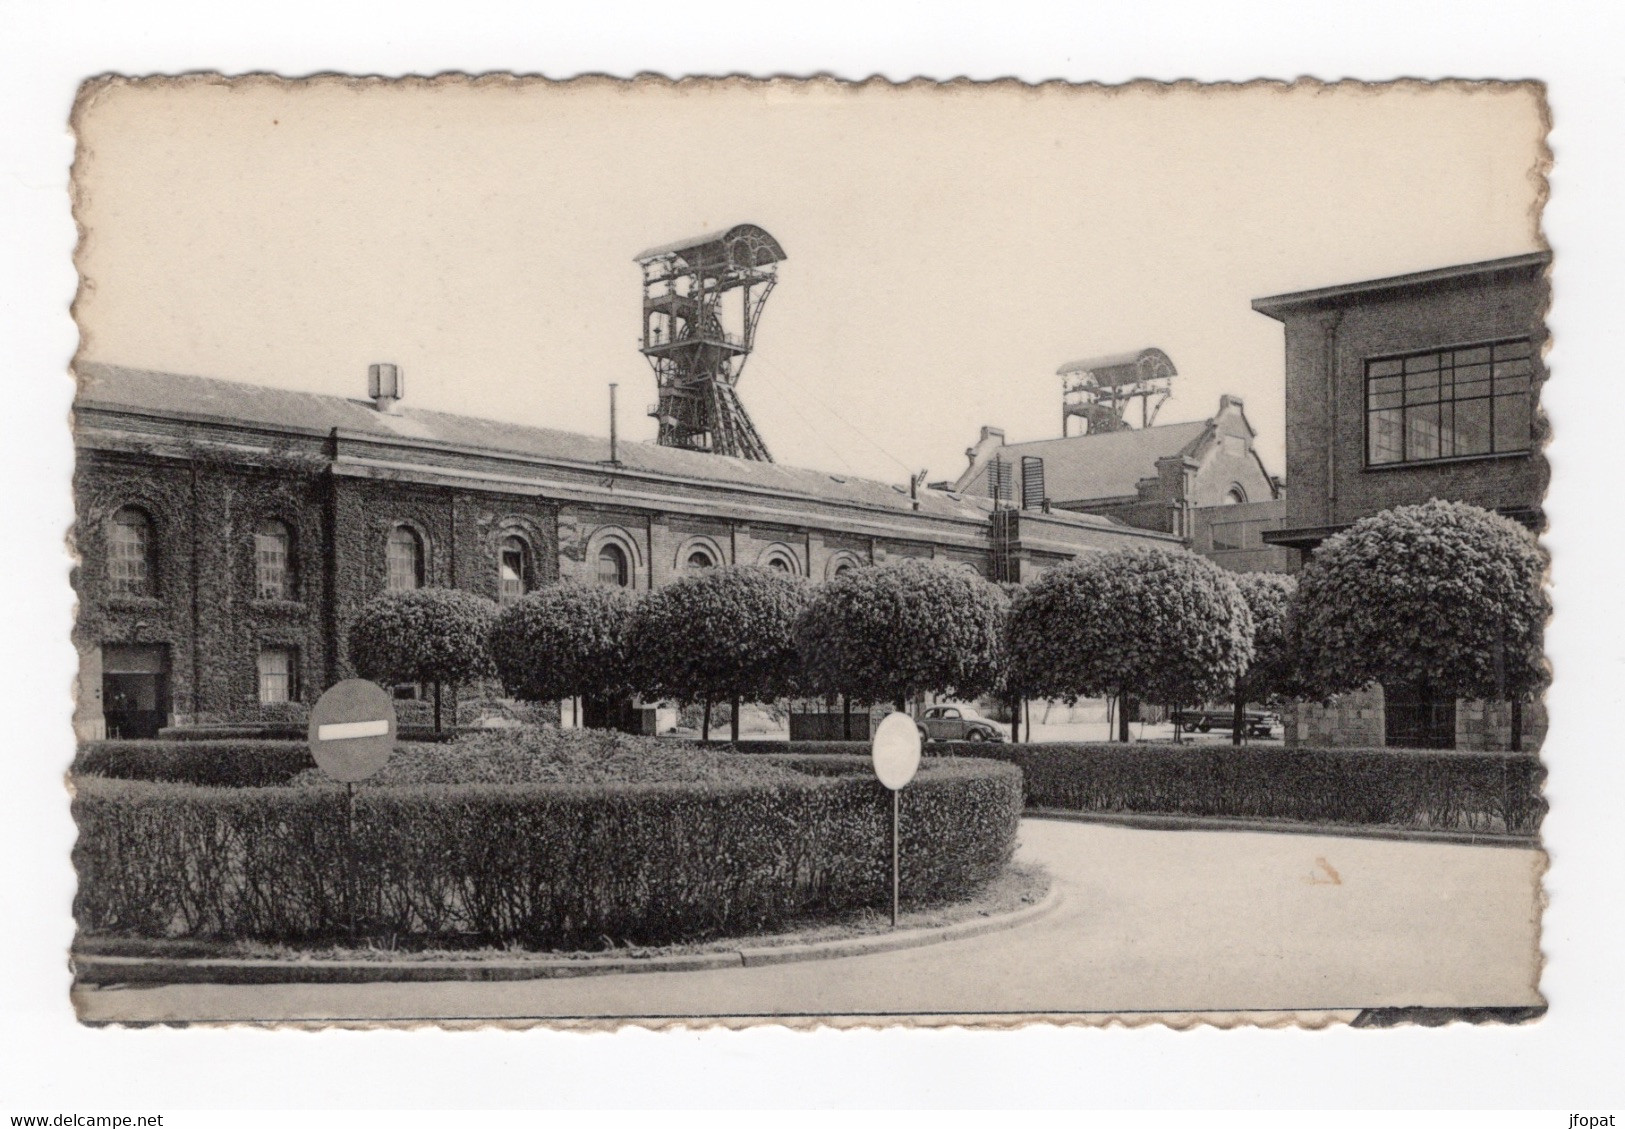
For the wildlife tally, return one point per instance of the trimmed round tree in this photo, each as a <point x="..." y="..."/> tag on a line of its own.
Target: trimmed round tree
<point x="1153" y="625"/>
<point x="1269" y="600"/>
<point x="1445" y="598"/>
<point x="435" y="635"/>
<point x="725" y="634"/>
<point x="886" y="632"/>
<point x="565" y="640"/>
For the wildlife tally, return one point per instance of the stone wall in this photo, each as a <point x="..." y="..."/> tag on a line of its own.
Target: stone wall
<point x="1356" y="721"/>
<point x="1488" y="726"/>
<point x="1352" y="721"/>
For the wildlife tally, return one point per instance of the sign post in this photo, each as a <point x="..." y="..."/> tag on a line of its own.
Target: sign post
<point x="895" y="752"/>
<point x="352" y="733"/>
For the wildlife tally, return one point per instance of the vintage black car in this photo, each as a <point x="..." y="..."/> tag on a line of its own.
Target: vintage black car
<point x="1259" y="723"/>
<point x="957" y="723"/>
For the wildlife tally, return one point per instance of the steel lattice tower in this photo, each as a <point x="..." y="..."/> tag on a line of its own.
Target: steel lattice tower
<point x="702" y="299"/>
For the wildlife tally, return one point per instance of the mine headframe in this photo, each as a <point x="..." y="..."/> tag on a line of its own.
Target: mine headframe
<point x="1100" y="389"/>
<point x="702" y="299"/>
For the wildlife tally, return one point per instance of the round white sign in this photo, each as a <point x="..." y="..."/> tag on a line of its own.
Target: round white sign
<point x="896" y="750"/>
<point x="352" y="730"/>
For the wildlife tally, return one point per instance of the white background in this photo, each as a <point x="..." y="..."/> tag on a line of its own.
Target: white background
<point x="1570" y="1060"/>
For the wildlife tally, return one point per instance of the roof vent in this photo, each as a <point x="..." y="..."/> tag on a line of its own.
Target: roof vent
<point x="386" y="385"/>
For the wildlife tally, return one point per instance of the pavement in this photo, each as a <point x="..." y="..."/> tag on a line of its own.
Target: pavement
<point x="1167" y="922"/>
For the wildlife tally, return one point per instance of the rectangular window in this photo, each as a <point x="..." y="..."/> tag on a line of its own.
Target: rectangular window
<point x="1449" y="404"/>
<point x="1229" y="536"/>
<point x="277" y="675"/>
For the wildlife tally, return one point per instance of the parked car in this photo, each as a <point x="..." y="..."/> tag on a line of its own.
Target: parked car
<point x="1259" y="723"/>
<point x="957" y="723"/>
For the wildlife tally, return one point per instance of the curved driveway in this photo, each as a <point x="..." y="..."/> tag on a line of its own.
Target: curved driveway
<point x="1164" y="921"/>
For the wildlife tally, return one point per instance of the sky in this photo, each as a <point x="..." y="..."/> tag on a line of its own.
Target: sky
<point x="947" y="248"/>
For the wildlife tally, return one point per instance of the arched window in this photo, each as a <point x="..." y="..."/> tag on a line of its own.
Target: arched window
<point x="699" y="560"/>
<point x="780" y="557"/>
<point x="513" y="570"/>
<point x="405" y="560"/>
<point x="1235" y="496"/>
<point x="841" y="563"/>
<point x="273" y="561"/>
<point x="129" y="553"/>
<point x="612" y="567"/>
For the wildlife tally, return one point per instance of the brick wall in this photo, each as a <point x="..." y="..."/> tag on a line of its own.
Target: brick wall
<point x="1326" y="351"/>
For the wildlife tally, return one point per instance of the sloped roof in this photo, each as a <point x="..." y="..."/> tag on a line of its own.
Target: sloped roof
<point x="1107" y="465"/>
<point x="231" y="402"/>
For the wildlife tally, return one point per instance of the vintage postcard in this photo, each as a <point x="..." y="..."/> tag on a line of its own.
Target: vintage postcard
<point x="793" y="551"/>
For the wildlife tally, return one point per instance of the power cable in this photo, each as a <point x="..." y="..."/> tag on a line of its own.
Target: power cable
<point x="784" y="381"/>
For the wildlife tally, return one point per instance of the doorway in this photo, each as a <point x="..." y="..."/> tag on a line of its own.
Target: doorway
<point x="1414" y="719"/>
<point x="135" y="690"/>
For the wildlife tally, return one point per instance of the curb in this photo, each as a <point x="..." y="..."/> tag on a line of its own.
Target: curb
<point x="1152" y="821"/>
<point x="105" y="970"/>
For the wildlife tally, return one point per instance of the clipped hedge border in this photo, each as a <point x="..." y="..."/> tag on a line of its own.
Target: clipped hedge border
<point x="546" y="866"/>
<point x="244" y="762"/>
<point x="1410" y="789"/>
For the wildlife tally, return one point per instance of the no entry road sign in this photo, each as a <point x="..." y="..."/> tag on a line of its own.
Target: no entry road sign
<point x="896" y="756"/>
<point x="896" y="750"/>
<point x="352" y="730"/>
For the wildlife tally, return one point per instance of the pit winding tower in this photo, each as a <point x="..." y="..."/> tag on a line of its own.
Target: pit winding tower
<point x="702" y="299"/>
<point x="1100" y="389"/>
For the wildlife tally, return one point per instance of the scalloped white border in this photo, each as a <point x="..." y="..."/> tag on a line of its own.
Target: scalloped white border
<point x="1568" y="1060"/>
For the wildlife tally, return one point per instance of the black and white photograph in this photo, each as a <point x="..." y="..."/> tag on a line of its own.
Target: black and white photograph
<point x="798" y="550"/>
<point x="859" y="557"/>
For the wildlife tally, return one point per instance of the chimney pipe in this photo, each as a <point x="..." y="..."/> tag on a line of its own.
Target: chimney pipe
<point x="385" y="385"/>
<point x="614" y="452"/>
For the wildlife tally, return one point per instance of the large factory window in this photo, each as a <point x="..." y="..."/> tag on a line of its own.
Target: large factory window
<point x="1449" y="404"/>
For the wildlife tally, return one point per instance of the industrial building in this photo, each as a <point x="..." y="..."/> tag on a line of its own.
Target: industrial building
<point x="1400" y="390"/>
<point x="228" y="533"/>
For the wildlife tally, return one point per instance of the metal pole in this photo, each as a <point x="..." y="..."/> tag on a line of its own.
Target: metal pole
<point x="349" y="854"/>
<point x="895" y="869"/>
<point x="614" y="453"/>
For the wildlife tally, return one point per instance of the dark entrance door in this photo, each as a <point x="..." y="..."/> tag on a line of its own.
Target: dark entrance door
<point x="1413" y="719"/>
<point x="135" y="690"/>
<point x="610" y="713"/>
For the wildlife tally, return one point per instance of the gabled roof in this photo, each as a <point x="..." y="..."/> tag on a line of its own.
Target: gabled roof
<point x="169" y="395"/>
<point x="1107" y="465"/>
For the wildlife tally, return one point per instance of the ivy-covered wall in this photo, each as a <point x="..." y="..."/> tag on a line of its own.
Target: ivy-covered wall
<point x="204" y="607"/>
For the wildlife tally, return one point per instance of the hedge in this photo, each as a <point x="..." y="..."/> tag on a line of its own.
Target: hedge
<point x="544" y="866"/>
<point x="235" y="731"/>
<point x="241" y="763"/>
<point x="1418" y="789"/>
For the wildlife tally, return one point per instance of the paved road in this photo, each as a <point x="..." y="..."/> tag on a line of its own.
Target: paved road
<point x="1164" y="921"/>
